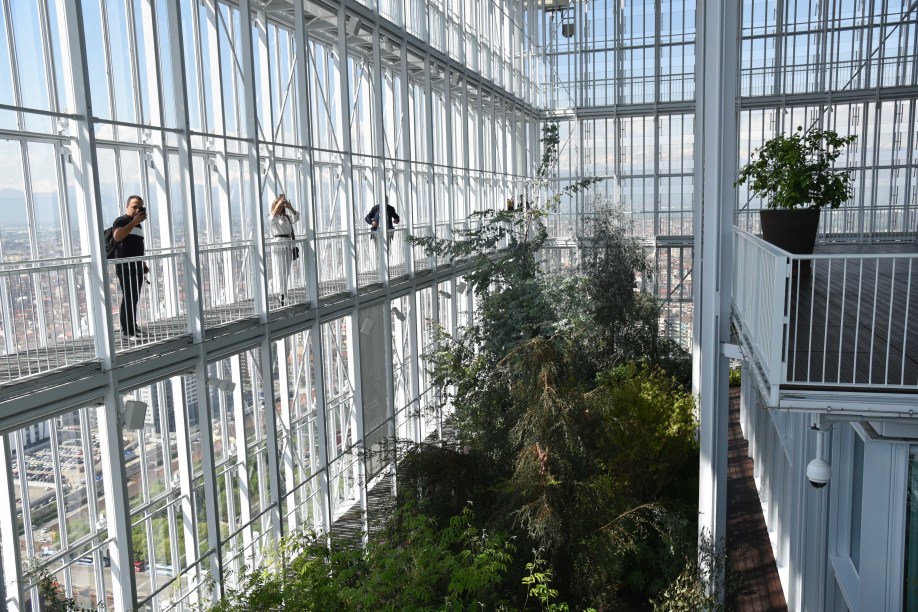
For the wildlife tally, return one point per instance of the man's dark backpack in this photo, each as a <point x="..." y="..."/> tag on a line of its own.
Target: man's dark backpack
<point x="112" y="246"/>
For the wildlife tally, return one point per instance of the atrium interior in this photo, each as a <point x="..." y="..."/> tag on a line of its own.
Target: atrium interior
<point x="145" y="471"/>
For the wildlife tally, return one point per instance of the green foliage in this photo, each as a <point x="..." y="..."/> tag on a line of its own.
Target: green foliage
<point x="651" y="439"/>
<point x="796" y="171"/>
<point x="501" y="247"/>
<point x="572" y="440"/>
<point x="704" y="583"/>
<point x="574" y="436"/>
<point x="592" y="472"/>
<point x="619" y="323"/>
<point x="438" y="479"/>
<point x="411" y="566"/>
<point x="538" y="581"/>
<point x="51" y="593"/>
<point x="736" y="377"/>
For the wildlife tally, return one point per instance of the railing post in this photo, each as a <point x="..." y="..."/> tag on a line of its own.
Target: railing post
<point x="780" y="317"/>
<point x="351" y="264"/>
<point x="308" y="258"/>
<point x="10" y="556"/>
<point x="715" y="203"/>
<point x="318" y="359"/>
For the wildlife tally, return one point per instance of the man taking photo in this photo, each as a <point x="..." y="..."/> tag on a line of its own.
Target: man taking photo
<point x="127" y="231"/>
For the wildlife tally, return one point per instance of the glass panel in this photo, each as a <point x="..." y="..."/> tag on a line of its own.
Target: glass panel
<point x="60" y="505"/>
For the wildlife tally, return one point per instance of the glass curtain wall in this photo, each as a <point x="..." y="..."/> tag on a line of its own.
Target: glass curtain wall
<point x="846" y="66"/>
<point x="620" y="80"/>
<point x="154" y="489"/>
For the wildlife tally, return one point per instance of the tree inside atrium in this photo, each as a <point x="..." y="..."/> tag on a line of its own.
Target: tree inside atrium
<point x="572" y="474"/>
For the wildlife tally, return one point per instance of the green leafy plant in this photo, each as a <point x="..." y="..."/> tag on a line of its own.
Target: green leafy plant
<point x="736" y="377"/>
<point x="556" y="384"/>
<point x="704" y="584"/>
<point x="797" y="171"/>
<point x="538" y="582"/>
<point x="51" y="595"/>
<point x="410" y="565"/>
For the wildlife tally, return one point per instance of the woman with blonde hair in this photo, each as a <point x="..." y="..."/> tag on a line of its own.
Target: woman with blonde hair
<point x="281" y="221"/>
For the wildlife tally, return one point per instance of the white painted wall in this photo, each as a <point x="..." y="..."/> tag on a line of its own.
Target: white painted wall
<point x="809" y="528"/>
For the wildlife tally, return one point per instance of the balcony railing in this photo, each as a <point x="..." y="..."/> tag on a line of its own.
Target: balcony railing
<point x="45" y="325"/>
<point x="827" y="321"/>
<point x="161" y="312"/>
<point x="398" y="253"/>
<point x="44" y="318"/>
<point x="421" y="260"/>
<point x="286" y="276"/>
<point x="368" y="257"/>
<point x="332" y="257"/>
<point x="45" y="322"/>
<point x="226" y="278"/>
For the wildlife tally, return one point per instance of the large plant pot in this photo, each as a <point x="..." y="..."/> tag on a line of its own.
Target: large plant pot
<point x="791" y="230"/>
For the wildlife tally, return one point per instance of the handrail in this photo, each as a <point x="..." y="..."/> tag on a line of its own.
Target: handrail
<point x="43" y="264"/>
<point x="220" y="246"/>
<point x="826" y="320"/>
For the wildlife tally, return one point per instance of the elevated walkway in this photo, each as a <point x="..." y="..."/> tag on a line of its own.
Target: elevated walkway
<point x="749" y="553"/>
<point x="833" y="332"/>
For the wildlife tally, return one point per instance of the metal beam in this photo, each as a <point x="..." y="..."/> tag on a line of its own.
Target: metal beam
<point x="715" y="166"/>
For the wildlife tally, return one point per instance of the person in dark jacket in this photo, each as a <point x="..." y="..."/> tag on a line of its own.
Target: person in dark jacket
<point x="127" y="230"/>
<point x="372" y="219"/>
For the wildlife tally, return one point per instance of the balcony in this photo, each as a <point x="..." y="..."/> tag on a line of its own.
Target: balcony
<point x="45" y="323"/>
<point x="836" y="331"/>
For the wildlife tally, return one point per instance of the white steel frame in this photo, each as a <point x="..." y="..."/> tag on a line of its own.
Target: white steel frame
<point x="204" y="162"/>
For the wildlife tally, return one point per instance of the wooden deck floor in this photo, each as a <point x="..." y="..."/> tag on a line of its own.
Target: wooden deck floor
<point x="751" y="560"/>
<point x="855" y="321"/>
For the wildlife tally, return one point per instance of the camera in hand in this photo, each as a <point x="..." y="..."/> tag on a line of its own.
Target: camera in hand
<point x="142" y="210"/>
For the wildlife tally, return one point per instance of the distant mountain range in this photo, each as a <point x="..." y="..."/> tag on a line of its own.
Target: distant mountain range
<point x="12" y="207"/>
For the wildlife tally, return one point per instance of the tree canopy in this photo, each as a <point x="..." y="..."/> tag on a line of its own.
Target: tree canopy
<point x="573" y="473"/>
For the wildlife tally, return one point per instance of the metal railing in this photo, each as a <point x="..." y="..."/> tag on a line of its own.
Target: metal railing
<point x="332" y="258"/>
<point x="827" y="320"/>
<point x="44" y="321"/>
<point x="759" y="288"/>
<point x="286" y="270"/>
<point x="344" y="482"/>
<point x="368" y="257"/>
<point x="226" y="280"/>
<point x="398" y="253"/>
<point x="156" y="282"/>
<point x="421" y="260"/>
<point x="301" y="505"/>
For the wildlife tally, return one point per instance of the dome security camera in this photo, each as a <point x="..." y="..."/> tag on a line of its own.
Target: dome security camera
<point x="819" y="472"/>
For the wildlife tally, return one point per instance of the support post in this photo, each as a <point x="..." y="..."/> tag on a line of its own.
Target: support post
<point x="715" y="169"/>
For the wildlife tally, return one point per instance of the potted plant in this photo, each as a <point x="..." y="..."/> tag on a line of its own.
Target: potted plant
<point x="796" y="175"/>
